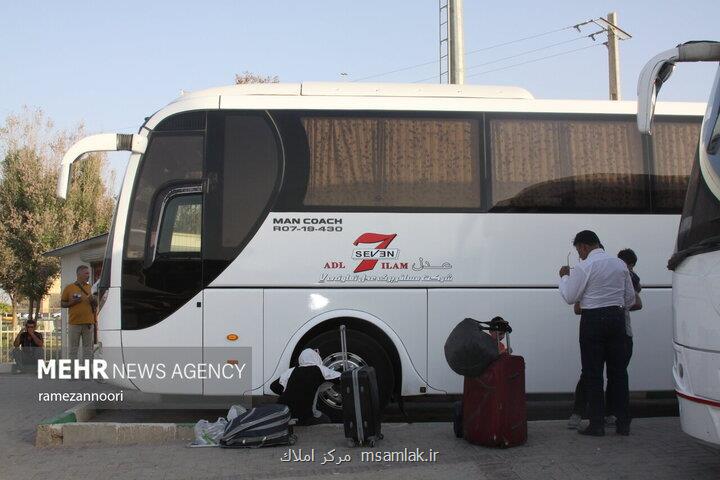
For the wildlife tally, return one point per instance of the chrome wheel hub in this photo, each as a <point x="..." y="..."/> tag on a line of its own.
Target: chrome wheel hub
<point x="334" y="361"/>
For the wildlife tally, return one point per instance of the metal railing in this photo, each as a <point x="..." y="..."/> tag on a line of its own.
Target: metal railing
<point x="52" y="337"/>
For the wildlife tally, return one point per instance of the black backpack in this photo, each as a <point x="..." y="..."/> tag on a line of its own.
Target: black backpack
<point x="262" y="426"/>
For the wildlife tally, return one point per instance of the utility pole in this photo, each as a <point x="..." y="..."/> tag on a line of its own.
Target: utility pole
<point x="456" y="50"/>
<point x="613" y="58"/>
<point x="614" y="34"/>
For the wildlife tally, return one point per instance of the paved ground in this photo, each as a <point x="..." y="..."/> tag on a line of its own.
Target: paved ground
<point x="657" y="449"/>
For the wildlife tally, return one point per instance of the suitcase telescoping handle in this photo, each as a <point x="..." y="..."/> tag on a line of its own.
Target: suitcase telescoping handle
<point x="343" y="347"/>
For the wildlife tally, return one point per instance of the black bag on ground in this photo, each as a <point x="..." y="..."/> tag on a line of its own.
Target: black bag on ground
<point x="469" y="350"/>
<point x="361" y="402"/>
<point x="262" y="426"/>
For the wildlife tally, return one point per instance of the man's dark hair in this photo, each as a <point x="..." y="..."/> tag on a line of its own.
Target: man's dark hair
<point x="30" y="321"/>
<point x="81" y="267"/>
<point x="627" y="256"/>
<point x="586" y="237"/>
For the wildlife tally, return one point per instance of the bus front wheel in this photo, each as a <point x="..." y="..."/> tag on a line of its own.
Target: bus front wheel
<point x="363" y="350"/>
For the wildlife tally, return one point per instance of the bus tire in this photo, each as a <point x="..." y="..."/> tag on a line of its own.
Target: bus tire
<point x="360" y="346"/>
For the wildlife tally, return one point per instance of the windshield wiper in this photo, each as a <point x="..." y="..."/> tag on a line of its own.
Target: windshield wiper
<point x="707" y="245"/>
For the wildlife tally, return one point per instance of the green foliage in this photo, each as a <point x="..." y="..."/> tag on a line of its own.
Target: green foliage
<point x="34" y="220"/>
<point x="88" y="208"/>
<point x="32" y="223"/>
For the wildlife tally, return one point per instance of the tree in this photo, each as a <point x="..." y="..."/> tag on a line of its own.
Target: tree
<point x="34" y="219"/>
<point x="32" y="223"/>
<point x="248" y="77"/>
<point x="9" y="276"/>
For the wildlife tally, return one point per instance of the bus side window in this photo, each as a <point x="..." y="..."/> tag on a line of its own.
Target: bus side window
<point x="674" y="147"/>
<point x="161" y="267"/>
<point x="421" y="162"/>
<point x="555" y="163"/>
<point x="243" y="168"/>
<point x="180" y="225"/>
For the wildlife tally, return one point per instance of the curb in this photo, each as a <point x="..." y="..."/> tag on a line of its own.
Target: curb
<point x="105" y="434"/>
<point x="73" y="428"/>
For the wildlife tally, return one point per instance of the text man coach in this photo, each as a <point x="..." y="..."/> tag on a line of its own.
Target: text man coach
<point x="602" y="285"/>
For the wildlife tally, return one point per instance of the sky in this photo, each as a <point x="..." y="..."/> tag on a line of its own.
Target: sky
<point x="109" y="65"/>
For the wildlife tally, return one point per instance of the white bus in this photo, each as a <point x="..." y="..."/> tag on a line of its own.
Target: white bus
<point x="696" y="262"/>
<point x="266" y="215"/>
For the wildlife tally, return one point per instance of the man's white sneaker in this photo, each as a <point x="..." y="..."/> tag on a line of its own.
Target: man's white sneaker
<point x="574" y="421"/>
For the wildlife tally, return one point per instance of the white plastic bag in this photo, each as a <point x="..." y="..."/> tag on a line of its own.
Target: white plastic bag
<point x="208" y="434"/>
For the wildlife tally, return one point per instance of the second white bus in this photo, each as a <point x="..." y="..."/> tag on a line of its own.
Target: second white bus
<point x="696" y="262"/>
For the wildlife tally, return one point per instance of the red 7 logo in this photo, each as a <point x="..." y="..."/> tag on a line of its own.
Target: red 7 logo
<point x="382" y="240"/>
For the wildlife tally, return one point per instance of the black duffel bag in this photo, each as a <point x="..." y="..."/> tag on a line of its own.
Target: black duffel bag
<point x="469" y="349"/>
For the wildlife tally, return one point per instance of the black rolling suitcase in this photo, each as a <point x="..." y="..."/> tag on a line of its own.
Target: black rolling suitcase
<point x="361" y="402"/>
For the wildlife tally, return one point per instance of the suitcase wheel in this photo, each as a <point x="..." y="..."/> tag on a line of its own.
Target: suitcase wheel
<point x="351" y="443"/>
<point x="371" y="443"/>
<point x="457" y="419"/>
<point x="292" y="439"/>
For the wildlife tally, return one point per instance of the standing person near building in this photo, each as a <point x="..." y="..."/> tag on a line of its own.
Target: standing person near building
<point x="80" y="303"/>
<point x="603" y="287"/>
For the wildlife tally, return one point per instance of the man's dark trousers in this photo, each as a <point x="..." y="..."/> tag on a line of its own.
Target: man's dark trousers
<point x="602" y="341"/>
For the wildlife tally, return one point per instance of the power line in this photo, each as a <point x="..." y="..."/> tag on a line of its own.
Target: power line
<point x="520" y="54"/>
<point x="528" y="38"/>
<point x="396" y="71"/>
<point x="403" y="69"/>
<point x="537" y="59"/>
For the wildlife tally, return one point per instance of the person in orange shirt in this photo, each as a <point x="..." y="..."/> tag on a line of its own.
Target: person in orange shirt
<point x="81" y="304"/>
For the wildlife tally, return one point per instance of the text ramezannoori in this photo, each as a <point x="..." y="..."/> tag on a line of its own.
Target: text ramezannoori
<point x="81" y="396"/>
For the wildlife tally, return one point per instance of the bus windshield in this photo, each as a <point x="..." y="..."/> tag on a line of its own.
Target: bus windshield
<point x="700" y="223"/>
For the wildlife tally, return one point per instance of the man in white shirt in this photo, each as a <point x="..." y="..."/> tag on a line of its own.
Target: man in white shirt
<point x="602" y="285"/>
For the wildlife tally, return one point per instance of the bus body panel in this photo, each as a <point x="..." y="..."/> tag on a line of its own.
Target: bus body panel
<point x="697" y="382"/>
<point x="229" y="312"/>
<point x="177" y="340"/>
<point x="545" y="332"/>
<point x="111" y="351"/>
<point x="696" y="291"/>
<point x="400" y="314"/>
<point x="108" y="316"/>
<point x="700" y="421"/>
<point x="439" y="250"/>
<point x="232" y="100"/>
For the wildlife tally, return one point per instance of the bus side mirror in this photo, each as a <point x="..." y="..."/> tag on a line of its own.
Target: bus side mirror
<point x="653" y="75"/>
<point x="658" y="70"/>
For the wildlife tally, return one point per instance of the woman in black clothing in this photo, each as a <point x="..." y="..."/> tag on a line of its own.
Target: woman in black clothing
<point x="298" y="386"/>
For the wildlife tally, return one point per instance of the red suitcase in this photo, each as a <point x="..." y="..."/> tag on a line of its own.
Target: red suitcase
<point x="494" y="410"/>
